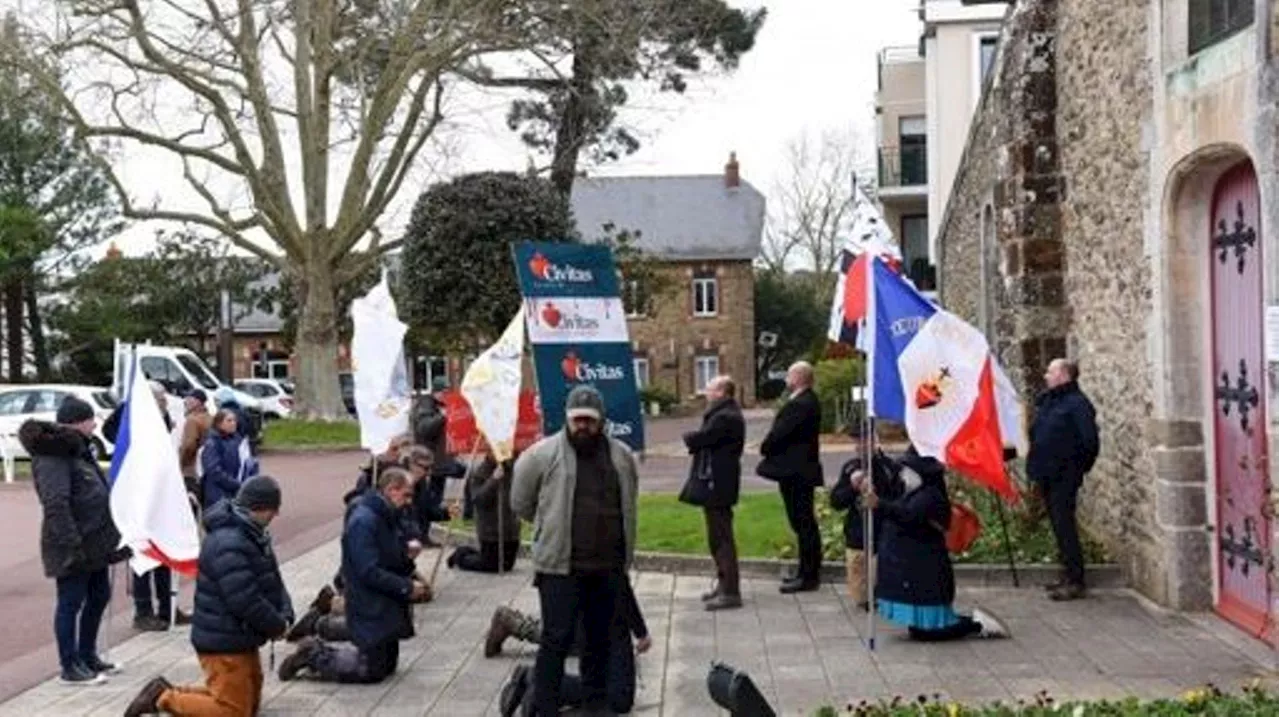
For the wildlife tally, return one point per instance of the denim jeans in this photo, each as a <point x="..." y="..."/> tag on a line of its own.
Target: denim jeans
<point x="562" y="599"/>
<point x="143" y="606"/>
<point x="349" y="664"/>
<point x="82" y="599"/>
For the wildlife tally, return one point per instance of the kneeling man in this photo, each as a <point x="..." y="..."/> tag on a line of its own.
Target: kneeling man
<point x="379" y="590"/>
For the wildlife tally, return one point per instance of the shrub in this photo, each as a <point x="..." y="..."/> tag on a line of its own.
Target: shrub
<point x="659" y="395"/>
<point x="833" y="380"/>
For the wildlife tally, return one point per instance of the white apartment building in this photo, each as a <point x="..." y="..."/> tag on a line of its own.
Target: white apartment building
<point x="925" y="99"/>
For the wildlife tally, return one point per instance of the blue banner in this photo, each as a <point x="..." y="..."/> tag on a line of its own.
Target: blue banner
<point x="608" y="367"/>
<point x="547" y="269"/>
<point x="578" y="329"/>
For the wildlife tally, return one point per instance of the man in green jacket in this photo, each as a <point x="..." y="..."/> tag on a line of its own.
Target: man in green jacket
<point x="578" y="488"/>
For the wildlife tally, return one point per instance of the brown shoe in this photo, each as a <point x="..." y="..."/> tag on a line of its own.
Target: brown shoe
<point x="323" y="603"/>
<point x="300" y="660"/>
<point x="1067" y="593"/>
<point x="147" y="701"/>
<point x="500" y="628"/>
<point x="304" y="627"/>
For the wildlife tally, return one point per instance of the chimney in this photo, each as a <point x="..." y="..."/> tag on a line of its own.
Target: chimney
<point x="731" y="179"/>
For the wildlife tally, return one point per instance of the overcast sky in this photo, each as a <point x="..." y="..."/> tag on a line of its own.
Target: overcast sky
<point x="812" y="70"/>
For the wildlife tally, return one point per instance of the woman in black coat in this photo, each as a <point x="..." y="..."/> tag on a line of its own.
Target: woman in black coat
<point x="915" y="583"/>
<point x="78" y="539"/>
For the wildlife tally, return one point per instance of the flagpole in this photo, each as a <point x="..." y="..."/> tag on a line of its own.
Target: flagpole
<point x="868" y="524"/>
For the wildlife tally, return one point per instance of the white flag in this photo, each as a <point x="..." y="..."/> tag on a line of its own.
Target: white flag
<point x="377" y="363"/>
<point x="148" y="496"/>
<point x="492" y="387"/>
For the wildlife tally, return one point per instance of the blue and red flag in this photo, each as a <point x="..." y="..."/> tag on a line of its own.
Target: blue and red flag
<point x="934" y="373"/>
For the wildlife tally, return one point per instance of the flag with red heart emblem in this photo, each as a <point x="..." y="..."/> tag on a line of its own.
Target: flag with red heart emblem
<point x="934" y="373"/>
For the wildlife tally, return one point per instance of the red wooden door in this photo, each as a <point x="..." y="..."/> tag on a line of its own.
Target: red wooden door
<point x="1245" y="542"/>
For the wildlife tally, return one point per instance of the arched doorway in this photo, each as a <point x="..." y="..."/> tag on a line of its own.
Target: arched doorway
<point x="1243" y="532"/>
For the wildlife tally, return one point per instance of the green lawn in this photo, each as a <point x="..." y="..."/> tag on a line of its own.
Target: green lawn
<point x="294" y="433"/>
<point x="668" y="526"/>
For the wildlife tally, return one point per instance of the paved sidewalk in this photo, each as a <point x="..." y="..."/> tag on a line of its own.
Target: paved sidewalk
<point x="802" y="651"/>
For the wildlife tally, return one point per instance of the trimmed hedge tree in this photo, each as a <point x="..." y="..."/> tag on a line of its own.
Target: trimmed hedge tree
<point x="460" y="288"/>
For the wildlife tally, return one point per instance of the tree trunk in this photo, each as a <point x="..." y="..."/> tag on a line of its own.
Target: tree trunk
<point x="35" y="322"/>
<point x="319" y="396"/>
<point x="13" y="328"/>
<point x="572" y="127"/>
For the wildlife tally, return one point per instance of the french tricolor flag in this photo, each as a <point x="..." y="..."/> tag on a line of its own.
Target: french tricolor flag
<point x="934" y="373"/>
<point x="148" y="497"/>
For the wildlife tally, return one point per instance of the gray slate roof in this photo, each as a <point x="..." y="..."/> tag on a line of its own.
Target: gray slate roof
<point x="687" y="217"/>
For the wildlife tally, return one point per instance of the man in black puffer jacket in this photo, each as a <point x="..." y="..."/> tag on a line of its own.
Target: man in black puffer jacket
<point x="78" y="539"/>
<point x="241" y="603"/>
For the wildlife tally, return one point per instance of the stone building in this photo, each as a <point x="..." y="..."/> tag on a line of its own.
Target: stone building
<point x="1117" y="204"/>
<point x="705" y="232"/>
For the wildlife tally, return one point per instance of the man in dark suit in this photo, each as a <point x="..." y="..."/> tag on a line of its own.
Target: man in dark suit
<point x="791" y="458"/>
<point x="717" y="458"/>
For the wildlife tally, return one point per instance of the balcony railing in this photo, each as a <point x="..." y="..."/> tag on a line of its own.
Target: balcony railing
<point x="904" y="166"/>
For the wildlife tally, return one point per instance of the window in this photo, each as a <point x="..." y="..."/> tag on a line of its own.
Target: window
<point x="1212" y="21"/>
<point x="13" y="403"/>
<point x="705" y="368"/>
<point x="915" y="251"/>
<point x="634" y="300"/>
<point x="275" y="368"/>
<point x="913" y="154"/>
<point x="434" y="373"/>
<point x="986" y="56"/>
<point x="705" y="300"/>
<point x="157" y="368"/>
<point x="641" y="366"/>
<point x="196" y="368"/>
<point x="48" y="401"/>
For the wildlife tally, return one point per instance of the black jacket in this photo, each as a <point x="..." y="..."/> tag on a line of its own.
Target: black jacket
<point x="490" y="495"/>
<point x="377" y="573"/>
<point x="241" y="601"/>
<point x="1064" y="436"/>
<point x="791" y="449"/>
<point x="719" y="442"/>
<point x="429" y="424"/>
<point x="912" y="563"/>
<point x="77" y="534"/>
<point x="844" y="497"/>
<point x="111" y="426"/>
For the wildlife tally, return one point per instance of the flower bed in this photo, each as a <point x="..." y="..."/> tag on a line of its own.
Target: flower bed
<point x="1252" y="701"/>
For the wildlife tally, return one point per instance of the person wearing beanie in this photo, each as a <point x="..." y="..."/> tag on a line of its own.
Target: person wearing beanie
<point x="241" y="603"/>
<point x="78" y="540"/>
<point x="578" y="487"/>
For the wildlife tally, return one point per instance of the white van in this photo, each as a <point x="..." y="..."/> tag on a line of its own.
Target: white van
<point x="180" y="370"/>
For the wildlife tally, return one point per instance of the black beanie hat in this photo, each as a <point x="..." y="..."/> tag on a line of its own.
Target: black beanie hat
<point x="74" y="410"/>
<point x="259" y="493"/>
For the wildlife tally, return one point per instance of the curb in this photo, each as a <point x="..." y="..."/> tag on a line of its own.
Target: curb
<point x="974" y="575"/>
<point x="299" y="450"/>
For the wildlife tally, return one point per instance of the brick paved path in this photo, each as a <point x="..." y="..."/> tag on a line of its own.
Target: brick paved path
<point x="802" y="651"/>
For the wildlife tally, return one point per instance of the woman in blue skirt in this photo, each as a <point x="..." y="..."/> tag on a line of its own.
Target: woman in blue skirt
<point x="915" y="584"/>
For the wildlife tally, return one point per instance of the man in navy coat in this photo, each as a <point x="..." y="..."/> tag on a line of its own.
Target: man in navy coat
<point x="1064" y="446"/>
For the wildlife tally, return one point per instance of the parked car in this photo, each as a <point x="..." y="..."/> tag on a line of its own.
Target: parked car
<point x="276" y="400"/>
<point x="19" y="403"/>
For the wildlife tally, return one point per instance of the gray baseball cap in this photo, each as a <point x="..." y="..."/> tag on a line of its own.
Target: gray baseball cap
<point x="584" y="402"/>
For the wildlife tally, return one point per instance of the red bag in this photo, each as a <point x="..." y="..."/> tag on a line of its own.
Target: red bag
<point x="964" y="529"/>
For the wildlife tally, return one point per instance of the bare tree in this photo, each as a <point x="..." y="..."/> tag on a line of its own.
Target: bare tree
<point x="812" y="209"/>
<point x="295" y="123"/>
